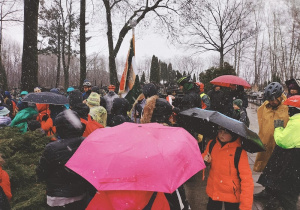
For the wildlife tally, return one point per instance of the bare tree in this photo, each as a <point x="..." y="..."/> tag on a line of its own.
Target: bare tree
<point x="212" y="25"/>
<point x="131" y="10"/>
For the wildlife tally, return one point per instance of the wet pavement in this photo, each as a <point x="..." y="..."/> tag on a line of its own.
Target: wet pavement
<point x="195" y="187"/>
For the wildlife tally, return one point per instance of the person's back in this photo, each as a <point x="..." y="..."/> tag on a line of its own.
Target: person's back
<point x="63" y="187"/>
<point x="239" y="112"/>
<point x="226" y="183"/>
<point x="109" y="98"/>
<point x="216" y="99"/>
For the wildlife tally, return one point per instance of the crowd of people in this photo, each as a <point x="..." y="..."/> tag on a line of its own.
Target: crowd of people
<point x="232" y="184"/>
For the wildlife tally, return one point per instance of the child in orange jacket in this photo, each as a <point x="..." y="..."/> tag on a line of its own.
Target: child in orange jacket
<point x="4" y="180"/>
<point x="225" y="183"/>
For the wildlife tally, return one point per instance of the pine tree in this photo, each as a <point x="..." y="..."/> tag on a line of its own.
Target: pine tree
<point x="178" y="75"/>
<point x="143" y="78"/>
<point x="154" y="71"/>
<point x="194" y="78"/>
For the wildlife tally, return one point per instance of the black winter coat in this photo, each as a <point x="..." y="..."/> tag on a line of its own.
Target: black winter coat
<point x="282" y="171"/>
<point x="216" y="100"/>
<point x="61" y="182"/>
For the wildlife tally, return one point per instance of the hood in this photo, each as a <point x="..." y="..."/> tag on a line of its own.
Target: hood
<point x="68" y="124"/>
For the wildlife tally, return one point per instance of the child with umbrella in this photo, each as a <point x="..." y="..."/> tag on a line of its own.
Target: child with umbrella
<point x="226" y="183"/>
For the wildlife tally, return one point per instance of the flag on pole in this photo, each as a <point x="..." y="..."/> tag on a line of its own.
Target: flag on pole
<point x="129" y="73"/>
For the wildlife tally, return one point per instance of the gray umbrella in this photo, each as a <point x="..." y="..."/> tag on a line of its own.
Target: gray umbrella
<point x="206" y="121"/>
<point x="46" y="98"/>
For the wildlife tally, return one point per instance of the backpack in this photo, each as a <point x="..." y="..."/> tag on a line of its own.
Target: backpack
<point x="237" y="155"/>
<point x="90" y="125"/>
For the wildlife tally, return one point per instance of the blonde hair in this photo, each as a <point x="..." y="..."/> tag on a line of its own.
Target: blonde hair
<point x="2" y="161"/>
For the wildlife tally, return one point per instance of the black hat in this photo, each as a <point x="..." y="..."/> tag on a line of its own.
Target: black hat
<point x="75" y="97"/>
<point x="120" y="106"/>
<point x="68" y="124"/>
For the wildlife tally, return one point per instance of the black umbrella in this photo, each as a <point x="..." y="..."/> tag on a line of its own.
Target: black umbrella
<point x="46" y="98"/>
<point x="205" y="122"/>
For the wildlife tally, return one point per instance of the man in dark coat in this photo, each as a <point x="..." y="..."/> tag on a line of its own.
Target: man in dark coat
<point x="65" y="189"/>
<point x="216" y="96"/>
<point x="191" y="92"/>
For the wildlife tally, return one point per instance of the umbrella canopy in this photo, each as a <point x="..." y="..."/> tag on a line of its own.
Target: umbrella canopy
<point x="147" y="157"/>
<point x="226" y="80"/>
<point x="206" y="122"/>
<point x="46" y="98"/>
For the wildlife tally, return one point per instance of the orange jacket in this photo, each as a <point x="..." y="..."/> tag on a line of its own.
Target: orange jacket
<point x="223" y="183"/>
<point x="5" y="183"/>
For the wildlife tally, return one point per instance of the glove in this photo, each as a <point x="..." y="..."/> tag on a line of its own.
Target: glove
<point x="278" y="123"/>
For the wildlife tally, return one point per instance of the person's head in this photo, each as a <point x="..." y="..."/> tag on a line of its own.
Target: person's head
<point x="95" y="89"/>
<point x="185" y="83"/>
<point x="75" y="97"/>
<point x="225" y="135"/>
<point x="293" y="89"/>
<point x="87" y="86"/>
<point x="55" y="90"/>
<point x="120" y="106"/>
<point x="149" y="90"/>
<point x="23" y="93"/>
<point x="37" y="90"/>
<point x="293" y="103"/>
<point x="68" y="124"/>
<point x="232" y="86"/>
<point x="201" y="87"/>
<point x="217" y="88"/>
<point x="93" y="99"/>
<point x="70" y="89"/>
<point x="111" y="88"/>
<point x="273" y="94"/>
<point x="162" y="111"/>
<point x="237" y="104"/>
<point x="4" y="111"/>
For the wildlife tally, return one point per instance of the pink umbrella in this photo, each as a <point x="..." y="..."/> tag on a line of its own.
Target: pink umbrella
<point x="146" y="157"/>
<point x="226" y="80"/>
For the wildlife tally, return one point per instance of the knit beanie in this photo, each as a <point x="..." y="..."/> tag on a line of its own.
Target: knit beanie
<point x="238" y="102"/>
<point x="75" y="97"/>
<point x="93" y="99"/>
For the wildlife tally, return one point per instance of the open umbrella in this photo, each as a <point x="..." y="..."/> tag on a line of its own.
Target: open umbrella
<point x="205" y="122"/>
<point x="226" y="80"/>
<point x="146" y="157"/>
<point x="46" y="98"/>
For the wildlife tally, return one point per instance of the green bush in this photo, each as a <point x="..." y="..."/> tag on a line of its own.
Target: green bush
<point x="22" y="153"/>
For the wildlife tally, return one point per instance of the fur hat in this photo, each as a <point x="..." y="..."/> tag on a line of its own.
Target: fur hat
<point x="75" y="97"/>
<point x="238" y="102"/>
<point x="93" y="99"/>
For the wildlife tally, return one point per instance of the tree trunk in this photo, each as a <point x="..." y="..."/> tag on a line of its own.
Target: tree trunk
<point x="82" y="43"/>
<point x="112" y="62"/>
<point x="58" y="57"/>
<point x="29" y="77"/>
